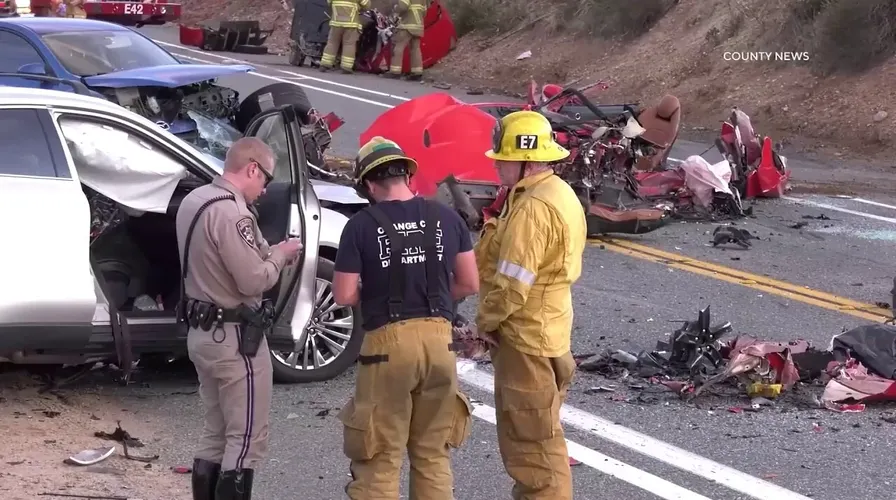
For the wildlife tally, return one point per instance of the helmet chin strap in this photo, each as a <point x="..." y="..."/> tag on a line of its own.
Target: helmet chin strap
<point x="523" y="166"/>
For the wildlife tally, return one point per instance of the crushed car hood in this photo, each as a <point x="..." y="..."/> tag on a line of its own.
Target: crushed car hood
<point x="171" y="76"/>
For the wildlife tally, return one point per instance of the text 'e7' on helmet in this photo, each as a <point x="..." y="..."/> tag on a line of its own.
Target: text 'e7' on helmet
<point x="525" y="136"/>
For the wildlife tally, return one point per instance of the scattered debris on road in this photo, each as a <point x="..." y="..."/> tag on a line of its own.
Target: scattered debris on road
<point x="90" y="457"/>
<point x="858" y="368"/>
<point x="729" y="234"/>
<point x="124" y="437"/>
<point x="42" y="429"/>
<point x="120" y="435"/>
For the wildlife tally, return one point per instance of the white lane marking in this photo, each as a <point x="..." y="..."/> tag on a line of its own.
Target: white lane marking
<point x="826" y="206"/>
<point x="311" y="87"/>
<point x="292" y="73"/>
<point x="729" y="477"/>
<point x="872" y="202"/>
<point x="610" y="466"/>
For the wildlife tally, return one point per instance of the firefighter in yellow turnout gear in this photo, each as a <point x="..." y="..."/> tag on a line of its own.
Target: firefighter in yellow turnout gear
<point x="528" y="258"/>
<point x="408" y="34"/>
<point x="345" y="29"/>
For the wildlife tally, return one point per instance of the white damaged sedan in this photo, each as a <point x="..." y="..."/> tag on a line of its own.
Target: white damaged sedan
<point x="90" y="268"/>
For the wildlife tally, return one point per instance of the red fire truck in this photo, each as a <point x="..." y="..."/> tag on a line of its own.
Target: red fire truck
<point x="119" y="12"/>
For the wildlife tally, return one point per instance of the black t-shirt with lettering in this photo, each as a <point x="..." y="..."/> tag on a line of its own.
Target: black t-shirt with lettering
<point x="364" y="246"/>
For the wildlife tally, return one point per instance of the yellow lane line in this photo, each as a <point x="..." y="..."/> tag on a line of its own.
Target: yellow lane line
<point x="797" y="293"/>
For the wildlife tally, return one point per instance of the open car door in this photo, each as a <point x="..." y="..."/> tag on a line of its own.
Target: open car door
<point x="289" y="209"/>
<point x="47" y="291"/>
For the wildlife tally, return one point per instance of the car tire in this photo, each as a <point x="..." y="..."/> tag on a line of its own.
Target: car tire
<point x="279" y="93"/>
<point x="287" y="375"/>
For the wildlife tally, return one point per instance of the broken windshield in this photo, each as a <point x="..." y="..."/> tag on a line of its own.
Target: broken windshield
<point x="213" y="136"/>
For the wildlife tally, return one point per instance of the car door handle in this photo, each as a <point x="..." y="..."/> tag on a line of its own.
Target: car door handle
<point x="295" y="222"/>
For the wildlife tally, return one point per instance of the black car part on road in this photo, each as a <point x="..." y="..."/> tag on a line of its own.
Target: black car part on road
<point x="235" y="36"/>
<point x="309" y="31"/>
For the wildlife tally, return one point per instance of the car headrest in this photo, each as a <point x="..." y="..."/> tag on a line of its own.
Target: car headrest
<point x="669" y="105"/>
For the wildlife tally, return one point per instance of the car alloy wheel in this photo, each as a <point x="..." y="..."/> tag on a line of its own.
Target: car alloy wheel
<point x="329" y="332"/>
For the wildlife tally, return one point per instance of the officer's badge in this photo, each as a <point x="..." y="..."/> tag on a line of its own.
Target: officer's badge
<point x="246" y="228"/>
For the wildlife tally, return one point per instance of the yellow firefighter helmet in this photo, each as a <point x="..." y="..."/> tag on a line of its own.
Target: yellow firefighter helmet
<point x="525" y="136"/>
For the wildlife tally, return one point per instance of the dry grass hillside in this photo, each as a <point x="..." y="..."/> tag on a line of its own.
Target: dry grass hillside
<point x="842" y="96"/>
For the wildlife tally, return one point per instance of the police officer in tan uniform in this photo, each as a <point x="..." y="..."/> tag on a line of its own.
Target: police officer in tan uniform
<point x="227" y="267"/>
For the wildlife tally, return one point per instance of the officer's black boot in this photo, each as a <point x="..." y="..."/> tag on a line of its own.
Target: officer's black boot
<point x="205" y="479"/>
<point x="235" y="485"/>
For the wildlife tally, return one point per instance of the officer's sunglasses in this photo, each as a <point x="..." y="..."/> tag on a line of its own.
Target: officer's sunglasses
<point x="268" y="178"/>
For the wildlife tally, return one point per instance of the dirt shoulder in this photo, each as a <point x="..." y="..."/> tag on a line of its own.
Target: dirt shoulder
<point x="40" y="430"/>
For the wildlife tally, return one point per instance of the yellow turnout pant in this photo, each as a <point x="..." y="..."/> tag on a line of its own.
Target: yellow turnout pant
<point x="401" y="40"/>
<point x="406" y="399"/>
<point x="347" y="38"/>
<point x="529" y="391"/>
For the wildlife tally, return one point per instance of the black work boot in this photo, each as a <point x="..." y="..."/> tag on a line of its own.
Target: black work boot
<point x="389" y="74"/>
<point x="235" y="485"/>
<point x="205" y="479"/>
<point x="415" y="77"/>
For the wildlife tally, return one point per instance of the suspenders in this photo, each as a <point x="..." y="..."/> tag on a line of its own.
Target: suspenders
<point x="396" y="269"/>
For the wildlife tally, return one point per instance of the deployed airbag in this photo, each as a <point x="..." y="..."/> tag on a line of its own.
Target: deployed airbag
<point x="704" y="180"/>
<point x="121" y="166"/>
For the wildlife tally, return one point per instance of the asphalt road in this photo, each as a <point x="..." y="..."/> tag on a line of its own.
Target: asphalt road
<point x="634" y="444"/>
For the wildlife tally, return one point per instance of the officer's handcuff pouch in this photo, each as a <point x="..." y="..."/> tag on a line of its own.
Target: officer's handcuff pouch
<point x="209" y="314"/>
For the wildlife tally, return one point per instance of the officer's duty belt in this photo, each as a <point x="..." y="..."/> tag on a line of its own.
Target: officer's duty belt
<point x="207" y="316"/>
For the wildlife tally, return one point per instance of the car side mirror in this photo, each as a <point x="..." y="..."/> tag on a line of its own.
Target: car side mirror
<point x="33" y="69"/>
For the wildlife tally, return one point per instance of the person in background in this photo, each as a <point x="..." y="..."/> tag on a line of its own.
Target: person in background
<point x="75" y="8"/>
<point x="407" y="36"/>
<point x="345" y="30"/>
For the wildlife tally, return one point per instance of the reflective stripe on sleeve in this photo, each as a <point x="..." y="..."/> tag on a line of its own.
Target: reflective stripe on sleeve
<point x="516" y="272"/>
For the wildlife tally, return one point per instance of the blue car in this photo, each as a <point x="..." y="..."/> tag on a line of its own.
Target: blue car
<point x="121" y="65"/>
